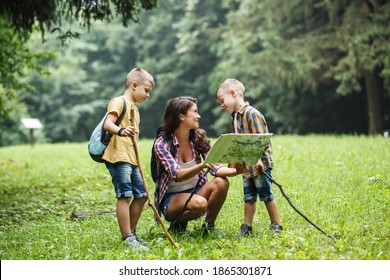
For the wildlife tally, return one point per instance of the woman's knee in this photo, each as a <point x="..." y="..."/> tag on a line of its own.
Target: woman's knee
<point x="222" y="183"/>
<point x="199" y="205"/>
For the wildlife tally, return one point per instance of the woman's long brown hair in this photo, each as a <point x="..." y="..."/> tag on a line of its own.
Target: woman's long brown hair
<point x="171" y="121"/>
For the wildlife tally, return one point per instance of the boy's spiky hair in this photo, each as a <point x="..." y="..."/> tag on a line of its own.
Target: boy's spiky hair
<point x="138" y="75"/>
<point x="233" y="84"/>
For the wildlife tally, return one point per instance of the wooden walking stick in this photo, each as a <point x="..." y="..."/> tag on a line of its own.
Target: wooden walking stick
<point x="293" y="206"/>
<point x="150" y="201"/>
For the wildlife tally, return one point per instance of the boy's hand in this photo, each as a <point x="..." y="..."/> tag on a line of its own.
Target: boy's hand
<point x="129" y="131"/>
<point x="260" y="165"/>
<point x="240" y="168"/>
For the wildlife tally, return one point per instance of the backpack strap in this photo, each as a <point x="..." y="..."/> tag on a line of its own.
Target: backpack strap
<point x="169" y="139"/>
<point x="106" y="137"/>
<point x="120" y="119"/>
<point x="156" y="167"/>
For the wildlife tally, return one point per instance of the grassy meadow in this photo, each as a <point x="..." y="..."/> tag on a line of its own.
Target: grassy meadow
<point x="341" y="183"/>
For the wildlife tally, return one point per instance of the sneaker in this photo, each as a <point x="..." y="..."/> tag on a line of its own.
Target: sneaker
<point x="178" y="227"/>
<point x="140" y="240"/>
<point x="207" y="227"/>
<point x="245" y="230"/>
<point x="131" y="241"/>
<point x="275" y="228"/>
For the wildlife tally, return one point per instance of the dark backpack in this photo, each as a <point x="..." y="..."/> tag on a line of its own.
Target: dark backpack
<point x="100" y="137"/>
<point x="157" y="168"/>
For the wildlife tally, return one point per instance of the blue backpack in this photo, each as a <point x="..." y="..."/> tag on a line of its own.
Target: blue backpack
<point x="100" y="137"/>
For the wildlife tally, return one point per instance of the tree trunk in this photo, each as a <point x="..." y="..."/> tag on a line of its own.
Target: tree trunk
<point x="373" y="103"/>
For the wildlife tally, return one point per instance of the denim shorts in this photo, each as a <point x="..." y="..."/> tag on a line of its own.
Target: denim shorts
<point x="168" y="197"/>
<point x="127" y="180"/>
<point x="258" y="185"/>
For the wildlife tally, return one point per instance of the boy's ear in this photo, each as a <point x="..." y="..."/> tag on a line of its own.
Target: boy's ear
<point x="134" y="84"/>
<point x="232" y="92"/>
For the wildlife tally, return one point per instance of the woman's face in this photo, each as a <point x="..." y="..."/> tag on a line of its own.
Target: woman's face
<point x="191" y="118"/>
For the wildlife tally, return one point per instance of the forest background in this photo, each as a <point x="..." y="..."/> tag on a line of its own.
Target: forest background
<point x="312" y="66"/>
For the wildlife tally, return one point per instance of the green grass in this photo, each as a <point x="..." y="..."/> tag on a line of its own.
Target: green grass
<point x="341" y="183"/>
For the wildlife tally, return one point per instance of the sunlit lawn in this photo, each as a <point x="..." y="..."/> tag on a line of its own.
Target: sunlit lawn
<point x="341" y="183"/>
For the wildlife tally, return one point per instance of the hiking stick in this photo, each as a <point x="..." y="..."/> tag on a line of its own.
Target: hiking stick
<point x="293" y="206"/>
<point x="150" y="201"/>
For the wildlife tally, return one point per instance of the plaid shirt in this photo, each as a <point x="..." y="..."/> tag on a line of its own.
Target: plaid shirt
<point x="250" y="120"/>
<point x="172" y="167"/>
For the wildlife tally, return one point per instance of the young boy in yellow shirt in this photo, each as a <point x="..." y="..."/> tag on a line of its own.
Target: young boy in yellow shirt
<point x="120" y="157"/>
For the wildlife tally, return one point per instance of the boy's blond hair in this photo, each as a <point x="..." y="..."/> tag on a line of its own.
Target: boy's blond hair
<point x="231" y="84"/>
<point x="138" y="75"/>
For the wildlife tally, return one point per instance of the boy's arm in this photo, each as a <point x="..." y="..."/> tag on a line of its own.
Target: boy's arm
<point x="111" y="127"/>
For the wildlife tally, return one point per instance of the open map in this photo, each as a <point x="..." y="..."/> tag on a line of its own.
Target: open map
<point x="237" y="148"/>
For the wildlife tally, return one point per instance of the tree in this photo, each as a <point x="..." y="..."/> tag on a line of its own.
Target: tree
<point x="16" y="60"/>
<point x="178" y="51"/>
<point x="18" y="19"/>
<point x="54" y="14"/>
<point x="65" y="100"/>
<point x="84" y="75"/>
<point x="292" y="52"/>
<point x="165" y="48"/>
<point x="365" y="37"/>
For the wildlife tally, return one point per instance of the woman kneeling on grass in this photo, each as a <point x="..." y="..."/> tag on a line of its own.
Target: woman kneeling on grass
<point x="178" y="152"/>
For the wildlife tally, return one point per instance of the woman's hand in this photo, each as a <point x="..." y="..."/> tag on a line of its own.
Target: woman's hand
<point x="208" y="165"/>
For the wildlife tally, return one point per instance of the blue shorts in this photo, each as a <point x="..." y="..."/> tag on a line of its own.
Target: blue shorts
<point x="258" y="185"/>
<point x="168" y="197"/>
<point x="127" y="180"/>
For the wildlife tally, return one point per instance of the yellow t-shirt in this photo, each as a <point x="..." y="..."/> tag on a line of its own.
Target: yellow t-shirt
<point x="121" y="149"/>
